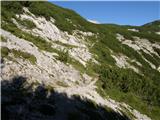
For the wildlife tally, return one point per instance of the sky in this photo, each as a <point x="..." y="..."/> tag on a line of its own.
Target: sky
<point x="117" y="12"/>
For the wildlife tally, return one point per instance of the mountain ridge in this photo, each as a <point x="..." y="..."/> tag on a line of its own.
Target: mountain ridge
<point x="68" y="53"/>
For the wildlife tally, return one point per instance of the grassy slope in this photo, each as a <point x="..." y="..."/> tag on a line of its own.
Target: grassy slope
<point x="118" y="83"/>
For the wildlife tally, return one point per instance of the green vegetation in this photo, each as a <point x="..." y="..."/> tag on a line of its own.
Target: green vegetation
<point x="157" y="50"/>
<point x="135" y="102"/>
<point x="151" y="27"/>
<point x="27" y="23"/>
<point x="76" y="64"/>
<point x="26" y="56"/>
<point x="66" y="19"/>
<point x="63" y="17"/>
<point x="64" y="57"/>
<point x="48" y="10"/>
<point x="4" y="51"/>
<point x="3" y="39"/>
<point x="152" y="37"/>
<point x="125" y="85"/>
<point x="141" y="92"/>
<point x="64" y="44"/>
<point x="90" y="69"/>
<point x="123" y="30"/>
<point x="42" y="45"/>
<point x="152" y="59"/>
<point x="36" y="40"/>
<point x="103" y="53"/>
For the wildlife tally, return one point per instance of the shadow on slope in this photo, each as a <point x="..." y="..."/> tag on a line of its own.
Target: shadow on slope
<point x="19" y="101"/>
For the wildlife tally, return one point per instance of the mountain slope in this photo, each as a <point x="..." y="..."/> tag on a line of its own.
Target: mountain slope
<point x="57" y="48"/>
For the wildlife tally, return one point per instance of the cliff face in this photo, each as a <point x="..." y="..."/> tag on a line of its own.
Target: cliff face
<point x="53" y="59"/>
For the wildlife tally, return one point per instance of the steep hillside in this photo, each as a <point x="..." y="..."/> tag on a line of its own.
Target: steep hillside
<point x="52" y="58"/>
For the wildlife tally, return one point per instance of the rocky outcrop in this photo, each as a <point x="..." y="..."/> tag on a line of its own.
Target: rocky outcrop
<point x="66" y="80"/>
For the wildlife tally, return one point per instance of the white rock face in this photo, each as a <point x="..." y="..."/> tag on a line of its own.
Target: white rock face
<point x="141" y="44"/>
<point x="134" y="30"/>
<point x="49" y="71"/>
<point x="48" y="31"/>
<point x="122" y="62"/>
<point x="151" y="64"/>
<point x="158" y="33"/>
<point x="46" y="65"/>
<point x="83" y="33"/>
<point x="158" y="69"/>
<point x="135" y="113"/>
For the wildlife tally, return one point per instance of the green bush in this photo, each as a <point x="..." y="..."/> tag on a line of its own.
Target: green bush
<point x="64" y="57"/>
<point x="157" y="50"/>
<point x="130" y="87"/>
<point x="4" y="51"/>
<point x="151" y="27"/>
<point x="150" y="58"/>
<point x="64" y="44"/>
<point x="3" y="39"/>
<point x="27" y="23"/>
<point x="36" y="40"/>
<point x="26" y="56"/>
<point x="124" y="85"/>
